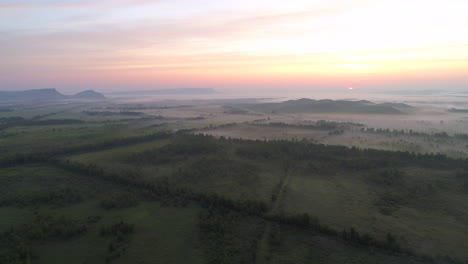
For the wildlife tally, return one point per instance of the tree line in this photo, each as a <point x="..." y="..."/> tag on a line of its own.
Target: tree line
<point x="16" y="243"/>
<point x="119" y="235"/>
<point x="271" y="151"/>
<point x="6" y="122"/>
<point x="317" y="125"/>
<point x="410" y="132"/>
<point x="162" y="190"/>
<point x="59" y="197"/>
<point x="24" y="158"/>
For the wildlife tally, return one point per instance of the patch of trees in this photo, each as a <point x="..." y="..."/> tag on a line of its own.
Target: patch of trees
<point x="6" y="122"/>
<point x="91" y="170"/>
<point x="46" y="115"/>
<point x="15" y="243"/>
<point x="20" y="158"/>
<point x="110" y="113"/>
<point x="209" y="127"/>
<point x="58" y="197"/>
<point x="389" y="201"/>
<point x="390" y="243"/>
<point x="234" y="110"/>
<point x="135" y="120"/>
<point x="4" y="134"/>
<point x="247" y="207"/>
<point x="303" y="221"/>
<point x="318" y="125"/>
<point x="458" y="110"/>
<point x="119" y="235"/>
<point x="147" y="107"/>
<point x="195" y="118"/>
<point x="410" y="132"/>
<point x="161" y="189"/>
<point x="387" y="177"/>
<point x="275" y="237"/>
<point x="52" y="226"/>
<point x="336" y="132"/>
<point x="340" y="157"/>
<point x="116" y="143"/>
<point x="336" y="157"/>
<point x="214" y="202"/>
<point x="119" y="200"/>
<point x="218" y="168"/>
<point x="23" y="158"/>
<point x="395" y="132"/>
<point x="6" y="109"/>
<point x="461" y="136"/>
<point x="395" y="188"/>
<point x="261" y="120"/>
<point x="229" y="236"/>
<point x="277" y="189"/>
<point x="181" y="148"/>
<point x="463" y="176"/>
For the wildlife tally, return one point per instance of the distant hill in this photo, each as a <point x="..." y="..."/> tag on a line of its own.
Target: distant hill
<point x="457" y="110"/>
<point x="49" y="94"/>
<point x="169" y="91"/>
<point x="329" y="106"/>
<point x="89" y="94"/>
<point x="29" y="95"/>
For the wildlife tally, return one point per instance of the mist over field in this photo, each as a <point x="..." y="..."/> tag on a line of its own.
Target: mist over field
<point x="233" y="177"/>
<point x="443" y="97"/>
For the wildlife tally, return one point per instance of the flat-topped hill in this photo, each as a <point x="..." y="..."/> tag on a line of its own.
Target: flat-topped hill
<point x="48" y="94"/>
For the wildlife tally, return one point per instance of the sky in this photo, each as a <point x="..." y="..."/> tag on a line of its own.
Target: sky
<point x="124" y="45"/>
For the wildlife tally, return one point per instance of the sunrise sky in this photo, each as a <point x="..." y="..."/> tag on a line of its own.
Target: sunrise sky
<point x="116" y="45"/>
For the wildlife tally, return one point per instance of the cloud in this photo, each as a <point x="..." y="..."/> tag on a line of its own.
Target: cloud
<point x="48" y="4"/>
<point x="143" y="32"/>
<point x="151" y="41"/>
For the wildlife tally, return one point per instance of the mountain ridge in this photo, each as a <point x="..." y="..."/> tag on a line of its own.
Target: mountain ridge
<point x="48" y="94"/>
<point x="330" y="106"/>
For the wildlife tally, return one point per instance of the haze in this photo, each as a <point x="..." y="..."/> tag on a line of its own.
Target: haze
<point x="118" y="45"/>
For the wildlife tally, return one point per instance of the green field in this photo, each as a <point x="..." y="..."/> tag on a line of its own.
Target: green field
<point x="129" y="191"/>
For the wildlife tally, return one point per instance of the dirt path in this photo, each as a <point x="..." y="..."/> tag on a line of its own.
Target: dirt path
<point x="276" y="207"/>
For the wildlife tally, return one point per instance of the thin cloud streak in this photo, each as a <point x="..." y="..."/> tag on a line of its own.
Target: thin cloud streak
<point x="85" y="5"/>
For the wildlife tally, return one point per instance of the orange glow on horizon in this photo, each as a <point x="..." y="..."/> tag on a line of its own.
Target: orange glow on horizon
<point x="158" y="44"/>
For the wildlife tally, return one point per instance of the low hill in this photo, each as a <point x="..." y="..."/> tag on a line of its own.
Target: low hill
<point x="49" y="94"/>
<point x="28" y="95"/>
<point x="89" y="94"/>
<point x="457" y="110"/>
<point x="305" y="105"/>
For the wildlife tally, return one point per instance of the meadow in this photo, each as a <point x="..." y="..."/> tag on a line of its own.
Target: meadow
<point x="194" y="181"/>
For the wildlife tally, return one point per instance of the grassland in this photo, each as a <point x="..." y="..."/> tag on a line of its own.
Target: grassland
<point x="185" y="198"/>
